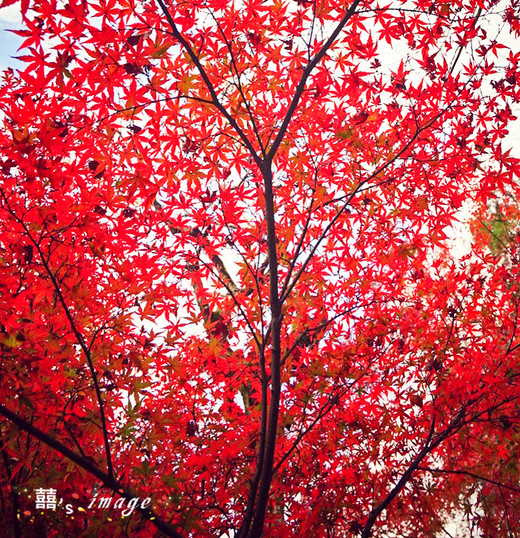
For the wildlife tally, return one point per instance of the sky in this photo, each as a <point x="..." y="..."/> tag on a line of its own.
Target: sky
<point x="9" y="42"/>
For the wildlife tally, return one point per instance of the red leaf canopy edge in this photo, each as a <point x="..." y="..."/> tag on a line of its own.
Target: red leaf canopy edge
<point x="226" y="272"/>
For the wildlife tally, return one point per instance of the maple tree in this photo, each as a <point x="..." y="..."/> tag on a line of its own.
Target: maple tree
<point x="226" y="277"/>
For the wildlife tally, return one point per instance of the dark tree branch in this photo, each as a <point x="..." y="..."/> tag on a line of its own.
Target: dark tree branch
<point x="239" y="85"/>
<point x="305" y="76"/>
<point x="288" y="287"/>
<point x="472" y="475"/>
<point x="432" y="442"/>
<point x="207" y="82"/>
<point x="107" y="480"/>
<point x="427" y="448"/>
<point x="264" y="485"/>
<point x="13" y="493"/>
<point x="75" y="331"/>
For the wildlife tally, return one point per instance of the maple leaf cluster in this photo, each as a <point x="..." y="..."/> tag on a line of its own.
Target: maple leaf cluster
<point x="226" y="273"/>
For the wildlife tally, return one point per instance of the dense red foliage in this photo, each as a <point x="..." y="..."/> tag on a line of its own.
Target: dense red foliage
<point x="225" y="275"/>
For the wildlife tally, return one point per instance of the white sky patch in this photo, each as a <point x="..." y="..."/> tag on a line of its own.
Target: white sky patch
<point x="10" y="19"/>
<point x="10" y="15"/>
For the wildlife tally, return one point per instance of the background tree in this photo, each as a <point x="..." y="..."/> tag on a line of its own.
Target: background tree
<point x="226" y="277"/>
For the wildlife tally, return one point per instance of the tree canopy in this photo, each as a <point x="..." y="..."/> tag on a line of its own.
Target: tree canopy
<point x="227" y="275"/>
